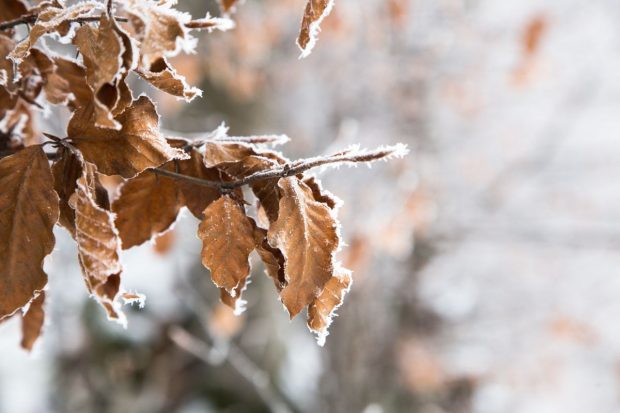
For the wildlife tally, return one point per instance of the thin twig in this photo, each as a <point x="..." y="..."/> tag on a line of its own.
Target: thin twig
<point x="292" y="168"/>
<point x="32" y="18"/>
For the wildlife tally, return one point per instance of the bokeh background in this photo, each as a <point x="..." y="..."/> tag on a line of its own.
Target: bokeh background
<point x="485" y="263"/>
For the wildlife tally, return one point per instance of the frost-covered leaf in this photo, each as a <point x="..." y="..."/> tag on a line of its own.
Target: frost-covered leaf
<point x="32" y="322"/>
<point x="162" y="76"/>
<point x="198" y="197"/>
<point x="315" y="12"/>
<point x="148" y="205"/>
<point x="50" y="20"/>
<point x="99" y="243"/>
<point x="307" y="234"/>
<point x="28" y="212"/>
<point x="129" y="151"/>
<point x="321" y="310"/>
<point x="160" y="30"/>
<point x="227" y="236"/>
<point x="101" y="49"/>
<point x="239" y="161"/>
<point x="66" y="171"/>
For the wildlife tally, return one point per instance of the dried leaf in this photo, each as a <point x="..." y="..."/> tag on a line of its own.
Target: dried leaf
<point x="307" y="234"/>
<point x="97" y="238"/>
<point x="321" y="310"/>
<point x="160" y="30"/>
<point x="162" y="76"/>
<point x="66" y="171"/>
<point x="272" y="258"/>
<point x="136" y="147"/>
<point x="28" y="212"/>
<point x="197" y="198"/>
<point x="316" y="11"/>
<point x="239" y="161"/>
<point x="101" y="48"/>
<point x="99" y="243"/>
<point x="50" y="20"/>
<point x="227" y="236"/>
<point x="32" y="322"/>
<point x="147" y="206"/>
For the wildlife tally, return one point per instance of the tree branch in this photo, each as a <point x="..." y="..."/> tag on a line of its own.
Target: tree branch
<point x="349" y="157"/>
<point x="32" y="18"/>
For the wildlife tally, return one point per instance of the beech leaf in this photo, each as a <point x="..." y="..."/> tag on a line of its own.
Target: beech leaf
<point x="197" y="198"/>
<point x="28" y="212"/>
<point x="166" y="79"/>
<point x="227" y="236"/>
<point x="52" y="20"/>
<point x="99" y="243"/>
<point x="136" y="147"/>
<point x="307" y="234"/>
<point x="147" y="205"/>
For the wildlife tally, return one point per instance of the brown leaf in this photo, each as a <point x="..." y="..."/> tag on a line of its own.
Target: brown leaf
<point x="147" y="206"/>
<point x="101" y="48"/>
<point x="98" y="240"/>
<point x="68" y="81"/>
<point x="272" y="258"/>
<point x="28" y="212"/>
<point x="52" y="19"/>
<point x="321" y="310"/>
<point x="307" y="234"/>
<point x="32" y="322"/>
<point x="240" y="161"/>
<point x="197" y="198"/>
<point x="162" y="76"/>
<point x="136" y="147"/>
<point x="227" y="236"/>
<point x="159" y="29"/>
<point x="66" y="171"/>
<point x="316" y="11"/>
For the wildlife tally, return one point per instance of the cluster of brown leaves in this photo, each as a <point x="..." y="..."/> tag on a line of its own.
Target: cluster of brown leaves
<point x="295" y="231"/>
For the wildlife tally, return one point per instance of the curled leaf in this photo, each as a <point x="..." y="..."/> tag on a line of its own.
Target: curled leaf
<point x="52" y="20"/>
<point x="99" y="243"/>
<point x="162" y="76"/>
<point x="316" y="11"/>
<point x="101" y="48"/>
